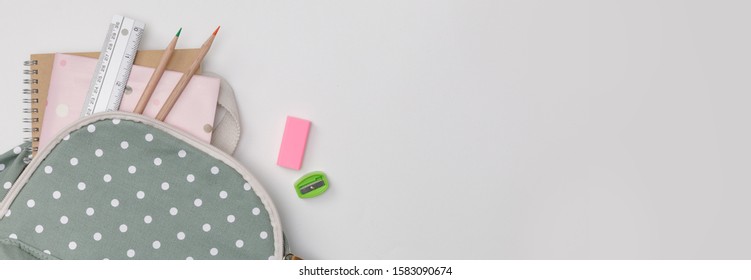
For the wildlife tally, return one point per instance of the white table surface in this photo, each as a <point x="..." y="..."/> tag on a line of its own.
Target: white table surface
<point x="467" y="129"/>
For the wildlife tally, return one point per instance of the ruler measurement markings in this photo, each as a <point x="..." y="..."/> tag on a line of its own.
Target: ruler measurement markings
<point x="106" y="61"/>
<point x="109" y="77"/>
<point x="114" y="65"/>
<point x="103" y="64"/>
<point x="124" y="73"/>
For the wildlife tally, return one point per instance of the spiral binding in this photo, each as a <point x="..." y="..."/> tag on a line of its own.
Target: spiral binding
<point x="31" y="99"/>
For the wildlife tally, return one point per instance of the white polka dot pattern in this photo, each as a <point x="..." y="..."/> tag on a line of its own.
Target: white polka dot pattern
<point x="135" y="192"/>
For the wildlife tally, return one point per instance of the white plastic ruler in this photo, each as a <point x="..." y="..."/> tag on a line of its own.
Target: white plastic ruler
<point x="113" y="69"/>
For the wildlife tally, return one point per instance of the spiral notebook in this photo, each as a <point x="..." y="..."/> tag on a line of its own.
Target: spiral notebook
<point x="69" y="83"/>
<point x="40" y="69"/>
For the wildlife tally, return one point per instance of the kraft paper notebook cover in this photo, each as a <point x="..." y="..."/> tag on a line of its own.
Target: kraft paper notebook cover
<point x="40" y="68"/>
<point x="69" y="83"/>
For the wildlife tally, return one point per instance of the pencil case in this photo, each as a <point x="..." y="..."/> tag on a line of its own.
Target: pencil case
<point x="119" y="185"/>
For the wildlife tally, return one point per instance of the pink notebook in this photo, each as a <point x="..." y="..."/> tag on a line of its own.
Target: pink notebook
<point x="69" y="83"/>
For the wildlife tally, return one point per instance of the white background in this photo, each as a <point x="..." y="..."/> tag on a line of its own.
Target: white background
<point x="467" y="129"/>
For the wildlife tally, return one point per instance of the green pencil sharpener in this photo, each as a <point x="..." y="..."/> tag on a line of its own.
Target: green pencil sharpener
<point x="312" y="184"/>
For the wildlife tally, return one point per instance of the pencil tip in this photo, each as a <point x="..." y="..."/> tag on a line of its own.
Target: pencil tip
<point x="178" y="32"/>
<point x="217" y="30"/>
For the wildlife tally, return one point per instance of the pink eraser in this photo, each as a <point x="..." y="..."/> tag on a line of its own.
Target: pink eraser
<point x="293" y="143"/>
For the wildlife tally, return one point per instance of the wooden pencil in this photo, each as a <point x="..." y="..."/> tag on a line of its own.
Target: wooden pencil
<point x="149" y="90"/>
<point x="172" y="99"/>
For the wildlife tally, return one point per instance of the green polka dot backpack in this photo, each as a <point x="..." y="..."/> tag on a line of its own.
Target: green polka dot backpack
<point x="118" y="185"/>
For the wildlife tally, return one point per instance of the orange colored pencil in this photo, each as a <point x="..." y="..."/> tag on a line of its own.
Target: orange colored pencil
<point x="157" y="75"/>
<point x="172" y="99"/>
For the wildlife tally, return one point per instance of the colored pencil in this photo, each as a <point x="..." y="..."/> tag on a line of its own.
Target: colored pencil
<point x="172" y="99"/>
<point x="149" y="90"/>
